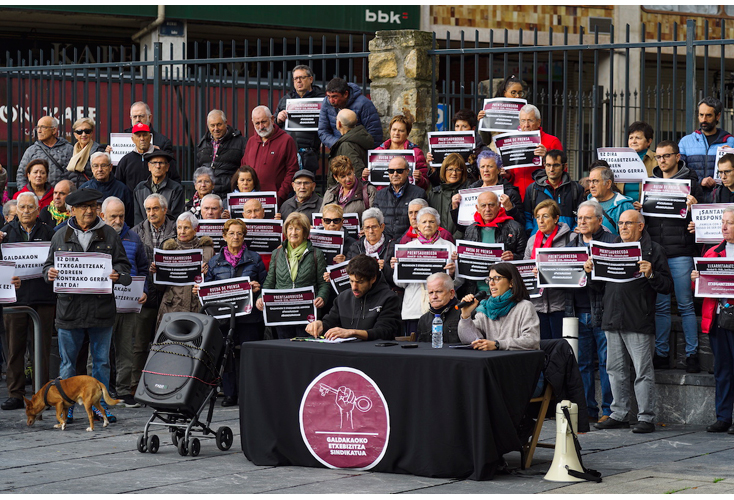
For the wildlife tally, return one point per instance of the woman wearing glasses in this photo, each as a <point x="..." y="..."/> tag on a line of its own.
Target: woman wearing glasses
<point x="446" y="197"/>
<point x="79" y="167"/>
<point x="551" y="233"/>
<point x="506" y="320"/>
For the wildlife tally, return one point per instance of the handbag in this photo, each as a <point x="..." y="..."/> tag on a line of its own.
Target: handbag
<point x="725" y="318"/>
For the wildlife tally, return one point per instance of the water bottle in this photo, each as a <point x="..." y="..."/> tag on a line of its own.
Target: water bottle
<point x="437" y="332"/>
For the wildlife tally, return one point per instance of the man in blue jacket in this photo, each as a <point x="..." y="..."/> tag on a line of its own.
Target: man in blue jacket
<point x="342" y="95"/>
<point x="698" y="150"/>
<point x="105" y="183"/>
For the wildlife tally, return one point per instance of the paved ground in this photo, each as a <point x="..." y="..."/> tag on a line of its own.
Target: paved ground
<point x="40" y="459"/>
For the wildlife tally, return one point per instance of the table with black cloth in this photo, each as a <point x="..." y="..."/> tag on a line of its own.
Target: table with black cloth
<point x="452" y="412"/>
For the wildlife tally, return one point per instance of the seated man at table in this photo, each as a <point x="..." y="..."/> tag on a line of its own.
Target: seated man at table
<point x="442" y="301"/>
<point x="370" y="308"/>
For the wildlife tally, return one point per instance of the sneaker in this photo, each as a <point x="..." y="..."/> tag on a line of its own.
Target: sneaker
<point x="128" y="402"/>
<point x="611" y="423"/>
<point x="692" y="364"/>
<point x="98" y="416"/>
<point x="660" y="362"/>
<point x="643" y="427"/>
<point x="70" y="415"/>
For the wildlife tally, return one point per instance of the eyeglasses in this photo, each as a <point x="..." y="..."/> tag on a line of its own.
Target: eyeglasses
<point x="332" y="221"/>
<point x="303" y="183"/>
<point x="725" y="172"/>
<point x="543" y="217"/>
<point x="300" y="78"/>
<point x="158" y="163"/>
<point x="664" y="157"/>
<point x="26" y="208"/>
<point x="516" y="93"/>
<point x="453" y="170"/>
<point x="494" y="279"/>
<point x="626" y="223"/>
<point x="237" y="234"/>
<point x="100" y="166"/>
<point x="86" y="208"/>
<point x="396" y="171"/>
<point x="83" y="131"/>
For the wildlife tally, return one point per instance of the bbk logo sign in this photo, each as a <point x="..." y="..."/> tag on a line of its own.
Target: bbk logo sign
<point x="384" y="17"/>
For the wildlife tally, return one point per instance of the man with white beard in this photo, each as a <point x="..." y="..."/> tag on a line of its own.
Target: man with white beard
<point x="272" y="153"/>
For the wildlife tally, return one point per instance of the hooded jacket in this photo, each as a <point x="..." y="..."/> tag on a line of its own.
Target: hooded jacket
<point x="366" y="114"/>
<point x="700" y="157"/>
<point x="227" y="161"/>
<point x="275" y="161"/>
<point x="568" y="196"/>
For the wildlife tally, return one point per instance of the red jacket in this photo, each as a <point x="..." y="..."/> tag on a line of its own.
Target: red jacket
<point x="708" y="311"/>
<point x="275" y="161"/>
<point x="45" y="200"/>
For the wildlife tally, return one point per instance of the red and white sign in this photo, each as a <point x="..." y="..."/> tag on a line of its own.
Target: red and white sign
<point x="345" y="421"/>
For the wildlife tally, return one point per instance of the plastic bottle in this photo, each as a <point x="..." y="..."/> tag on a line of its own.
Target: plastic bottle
<point x="437" y="332"/>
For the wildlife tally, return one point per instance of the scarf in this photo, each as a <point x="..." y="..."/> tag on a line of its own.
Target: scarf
<point x="445" y="308"/>
<point x="196" y="202"/>
<point x="294" y="255"/>
<point x="80" y="158"/>
<point x="428" y="241"/>
<point x="642" y="154"/>
<point x="497" y="307"/>
<point x="539" y="239"/>
<point x="57" y="216"/>
<point x="370" y="249"/>
<point x="343" y="197"/>
<point x="501" y="217"/>
<point x="233" y="259"/>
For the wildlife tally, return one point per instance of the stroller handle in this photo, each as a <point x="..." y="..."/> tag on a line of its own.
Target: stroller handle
<point x="228" y="305"/>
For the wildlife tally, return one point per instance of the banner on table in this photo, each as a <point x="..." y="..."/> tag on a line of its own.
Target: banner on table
<point x="236" y="291"/>
<point x="83" y="272"/>
<point x="716" y="277"/>
<point x="665" y="197"/>
<point x="126" y="297"/>
<point x="526" y="269"/>
<point x="442" y="144"/>
<point x="212" y="228"/>
<point x="561" y="267"/>
<point x="331" y="243"/>
<point x="518" y="149"/>
<point x="416" y="263"/>
<point x="707" y="218"/>
<point x="7" y="289"/>
<point x="303" y="114"/>
<point x="268" y="199"/>
<point x="475" y="259"/>
<point x="291" y="306"/>
<point x="468" y="204"/>
<point x="29" y="257"/>
<point x="263" y="236"/>
<point x="501" y="114"/>
<point x="378" y="160"/>
<point x="625" y="163"/>
<point x="721" y="151"/>
<point x="338" y="277"/>
<point x="615" y="262"/>
<point x="350" y="223"/>
<point x="178" y="267"/>
<point x="121" y="144"/>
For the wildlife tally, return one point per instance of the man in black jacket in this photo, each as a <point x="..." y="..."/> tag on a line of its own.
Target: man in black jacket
<point x="34" y="293"/>
<point x="629" y="323"/>
<point x="308" y="143"/>
<point x="724" y="192"/>
<point x="132" y="169"/>
<point x="369" y="311"/>
<point x="442" y="301"/>
<point x="221" y="149"/>
<point x="394" y="199"/>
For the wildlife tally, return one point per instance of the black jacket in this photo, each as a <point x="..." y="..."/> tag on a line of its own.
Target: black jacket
<point x="395" y="209"/>
<point x="228" y="160"/>
<point x="630" y="306"/>
<point x="568" y="196"/>
<point x="33" y="291"/>
<point x="308" y="140"/>
<point x="450" y="317"/>
<point x="378" y="312"/>
<point x="133" y="169"/>
<point x="721" y="194"/>
<point x="672" y="234"/>
<point x="386" y="252"/>
<point x="562" y="372"/>
<point x="171" y="190"/>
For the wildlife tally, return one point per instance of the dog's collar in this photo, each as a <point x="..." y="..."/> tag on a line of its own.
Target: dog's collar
<point x="56" y="383"/>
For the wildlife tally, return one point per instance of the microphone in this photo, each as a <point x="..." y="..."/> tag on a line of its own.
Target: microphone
<point x="480" y="297"/>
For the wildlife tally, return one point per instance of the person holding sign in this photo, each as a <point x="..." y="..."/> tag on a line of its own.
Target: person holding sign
<point x="446" y="197"/>
<point x="82" y="314"/>
<point x="393" y="201"/>
<point x="375" y="244"/>
<point x="35" y="293"/>
<point x="504" y="321"/>
<point x="296" y="264"/>
<point x="724" y="192"/>
<point x="551" y="234"/>
<point x="369" y="311"/>
<point x="234" y="261"/>
<point x="465" y="120"/>
<point x="332" y="218"/>
<point x="680" y="247"/>
<point x="400" y="127"/>
<point x="352" y="194"/>
<point x="601" y="183"/>
<point x="721" y="334"/>
<point x="639" y="138"/>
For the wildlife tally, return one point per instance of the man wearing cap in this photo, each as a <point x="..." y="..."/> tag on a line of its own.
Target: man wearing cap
<point x="305" y="200"/>
<point x="80" y="314"/>
<point x="158" y="182"/>
<point x="105" y="183"/>
<point x="132" y="168"/>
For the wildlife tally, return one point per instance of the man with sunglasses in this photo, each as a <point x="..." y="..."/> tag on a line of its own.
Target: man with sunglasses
<point x="393" y="201"/>
<point x="55" y="150"/>
<point x="305" y="200"/>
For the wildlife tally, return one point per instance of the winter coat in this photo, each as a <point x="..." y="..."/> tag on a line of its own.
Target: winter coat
<point x="710" y="304"/>
<point x="304" y="140"/>
<point x="36" y="290"/>
<point x="228" y="160"/>
<point x="354" y="145"/>
<point x="386" y="252"/>
<point x="439" y="198"/>
<point x="552" y="299"/>
<point x="145" y="232"/>
<point x="366" y="114"/>
<point x="250" y="264"/>
<point x="517" y="211"/>
<point x="395" y="210"/>
<point x="310" y="206"/>
<point x="171" y="190"/>
<point x="356" y="203"/>
<point x="311" y="269"/>
<point x="509" y="232"/>
<point x="620" y="204"/>
<point x="44" y="200"/>
<point x="722" y="194"/>
<point x="132" y="169"/>
<point x="450" y="317"/>
<point x="116" y="188"/>
<point x="700" y="157"/>
<point x="275" y="162"/>
<point x="568" y="196"/>
<point x="561" y="371"/>
<point x="135" y="251"/>
<point x="61" y="152"/>
<point x="420" y="161"/>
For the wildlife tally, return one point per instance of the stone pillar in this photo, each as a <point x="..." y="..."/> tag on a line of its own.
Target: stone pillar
<point x="400" y="71"/>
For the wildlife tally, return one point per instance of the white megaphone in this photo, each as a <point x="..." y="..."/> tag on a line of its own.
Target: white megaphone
<point x="565" y="456"/>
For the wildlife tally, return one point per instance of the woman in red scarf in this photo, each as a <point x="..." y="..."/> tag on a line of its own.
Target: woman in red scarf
<point x="551" y="234"/>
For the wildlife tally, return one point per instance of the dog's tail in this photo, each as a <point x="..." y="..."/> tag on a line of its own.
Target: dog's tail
<point x="109" y="399"/>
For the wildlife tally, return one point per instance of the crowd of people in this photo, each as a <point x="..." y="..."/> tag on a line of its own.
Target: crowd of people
<point x="73" y="197"/>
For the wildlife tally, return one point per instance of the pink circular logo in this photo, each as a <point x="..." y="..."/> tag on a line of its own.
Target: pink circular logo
<point x="311" y="318"/>
<point x="345" y="422"/>
<point x="198" y="279"/>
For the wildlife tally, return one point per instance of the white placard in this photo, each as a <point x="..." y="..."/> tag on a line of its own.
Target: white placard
<point x="29" y="257"/>
<point x="7" y="289"/>
<point x="721" y="151"/>
<point x="707" y="218"/>
<point x="83" y="272"/>
<point x="625" y="163"/>
<point x="126" y="297"/>
<point x="121" y="144"/>
<point x="468" y="204"/>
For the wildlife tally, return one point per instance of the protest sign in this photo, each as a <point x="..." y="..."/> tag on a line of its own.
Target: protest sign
<point x="338" y="277"/>
<point x="474" y="259"/>
<point x="665" y="197"/>
<point x="526" y="270"/>
<point x="518" y="149"/>
<point x="263" y="236"/>
<point x="303" y="114"/>
<point x="616" y="262"/>
<point x="212" y="228"/>
<point x="83" y="272"/>
<point x="7" y="289"/>
<point x="29" y="257"/>
<point x="442" y="144"/>
<point x="416" y="263"/>
<point x="121" y="144"/>
<point x="468" y="204"/>
<point x="291" y="306"/>
<point x="625" y="163"/>
<point x="707" y="218"/>
<point x="501" y="114"/>
<point x="177" y="267"/>
<point x="236" y="291"/>
<point x="126" y="297"/>
<point x="331" y="243"/>
<point x="561" y="267"/>
<point x="268" y="199"/>
<point x="378" y="160"/>
<point x="716" y="277"/>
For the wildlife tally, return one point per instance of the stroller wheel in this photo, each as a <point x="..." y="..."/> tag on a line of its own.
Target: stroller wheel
<point x="224" y="438"/>
<point x="153" y="444"/>
<point x="195" y="447"/>
<point x="176" y="436"/>
<point x="142" y="445"/>
<point x="182" y="450"/>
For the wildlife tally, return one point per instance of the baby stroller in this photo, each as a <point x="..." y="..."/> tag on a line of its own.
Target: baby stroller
<point x="181" y="377"/>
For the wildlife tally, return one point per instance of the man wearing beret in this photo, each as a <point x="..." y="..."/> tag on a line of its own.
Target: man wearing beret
<point x="158" y="182"/>
<point x="79" y="314"/>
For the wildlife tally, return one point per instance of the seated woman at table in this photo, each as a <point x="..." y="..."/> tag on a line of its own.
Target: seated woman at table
<point x="506" y="320"/>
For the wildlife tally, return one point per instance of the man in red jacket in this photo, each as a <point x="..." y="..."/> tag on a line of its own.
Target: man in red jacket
<point x="272" y="153"/>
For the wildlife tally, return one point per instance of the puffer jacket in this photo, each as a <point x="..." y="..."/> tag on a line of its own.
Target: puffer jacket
<point x="366" y="114"/>
<point x="145" y="232"/>
<point x="420" y="161"/>
<point x="553" y="299"/>
<point x="395" y="210"/>
<point x="450" y="317"/>
<point x="249" y="264"/>
<point x="356" y="203"/>
<point x="33" y="291"/>
<point x="700" y="157"/>
<point x="308" y="140"/>
<point x="311" y="269"/>
<point x="439" y="198"/>
<point x="171" y="190"/>
<point x="61" y="151"/>
<point x="229" y="155"/>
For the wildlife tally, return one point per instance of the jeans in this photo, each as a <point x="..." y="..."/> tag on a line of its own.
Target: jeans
<point x="680" y="269"/>
<point x="722" y="346"/>
<point x="623" y="347"/>
<point x="551" y="325"/>
<point x="70" y="341"/>
<point x="593" y="341"/>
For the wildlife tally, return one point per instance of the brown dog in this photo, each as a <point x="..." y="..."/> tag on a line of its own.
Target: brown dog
<point x="82" y="389"/>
